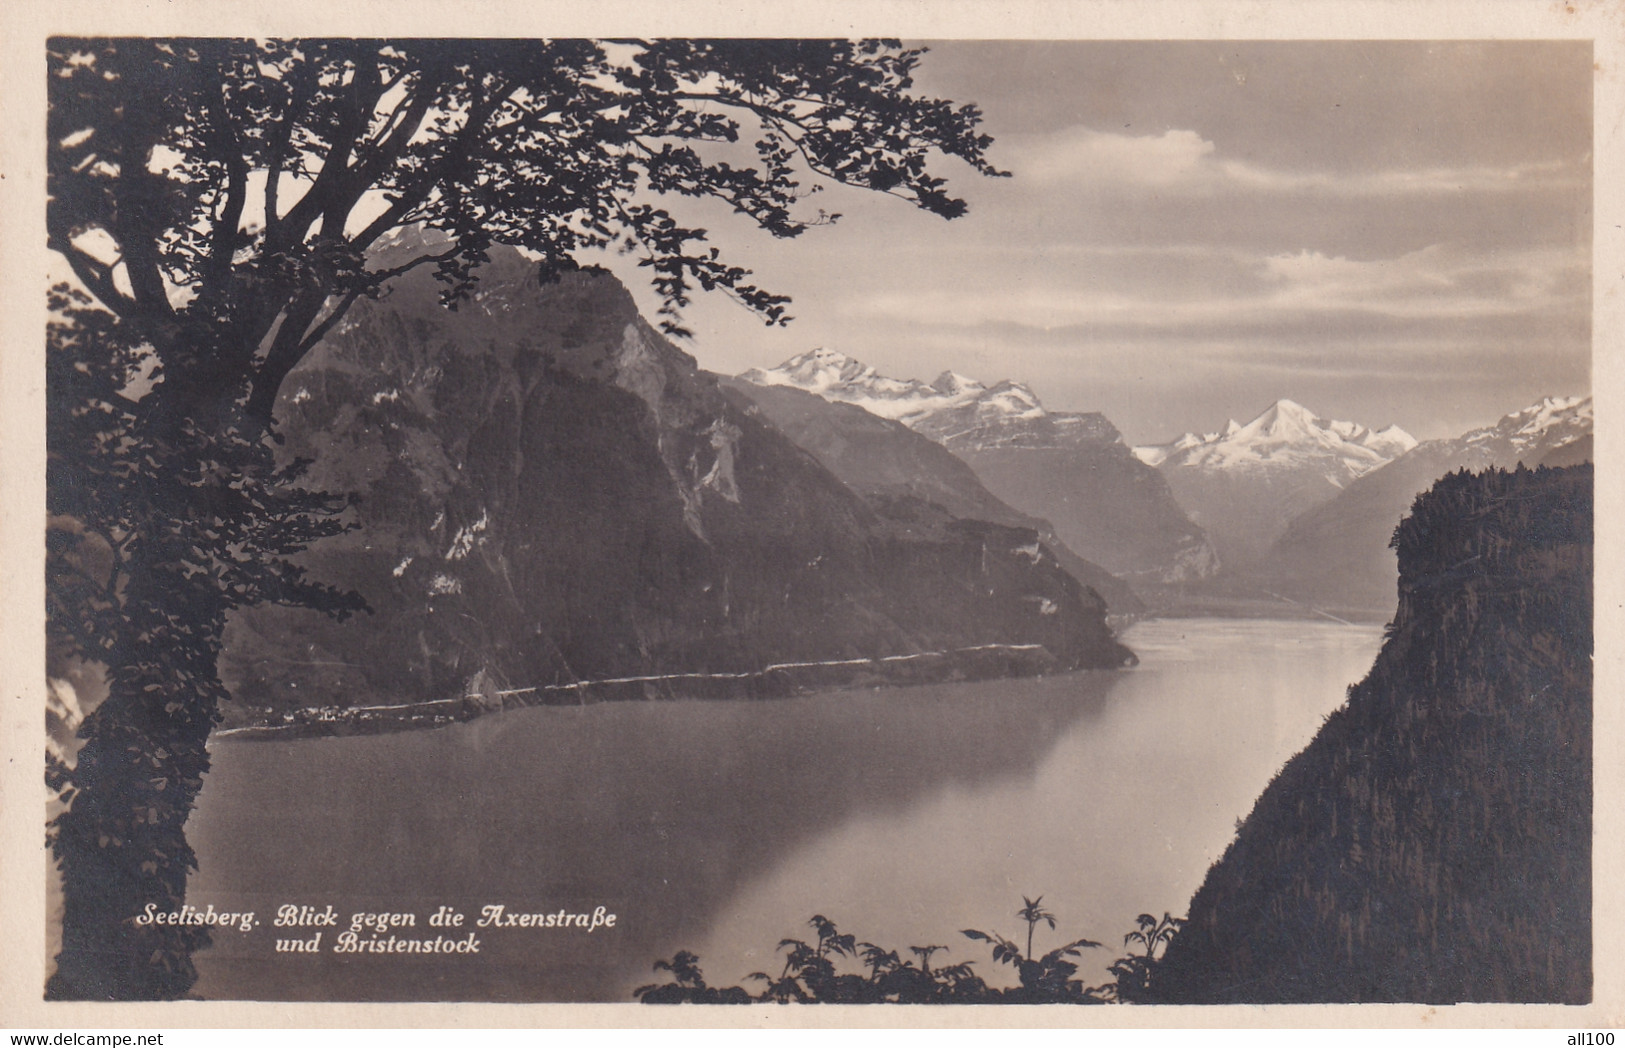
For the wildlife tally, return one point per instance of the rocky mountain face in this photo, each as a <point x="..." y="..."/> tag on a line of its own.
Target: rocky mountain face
<point x="1433" y="843"/>
<point x="884" y="460"/>
<point x="1337" y="555"/>
<point x="549" y="492"/>
<point x="1245" y="484"/>
<point x="1071" y="469"/>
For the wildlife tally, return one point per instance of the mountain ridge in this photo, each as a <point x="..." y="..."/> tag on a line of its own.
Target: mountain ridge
<point x="1072" y="469"/>
<point x="881" y="458"/>
<point x="1284" y="424"/>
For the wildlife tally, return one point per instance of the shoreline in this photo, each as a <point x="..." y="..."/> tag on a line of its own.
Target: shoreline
<point x="775" y="681"/>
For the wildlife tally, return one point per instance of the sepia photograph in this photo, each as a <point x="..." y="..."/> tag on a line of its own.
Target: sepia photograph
<point x="794" y="518"/>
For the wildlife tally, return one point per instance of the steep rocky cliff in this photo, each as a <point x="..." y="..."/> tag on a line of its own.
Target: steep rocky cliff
<point x="1433" y="843"/>
<point x="550" y="492"/>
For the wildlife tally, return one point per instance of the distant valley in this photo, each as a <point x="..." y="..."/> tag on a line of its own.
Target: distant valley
<point x="884" y="459"/>
<point x="1338" y="554"/>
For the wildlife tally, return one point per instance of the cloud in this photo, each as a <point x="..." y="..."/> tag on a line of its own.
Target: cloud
<point x="1433" y="282"/>
<point x="1186" y="288"/>
<point x="1182" y="161"/>
<point x="1405" y="222"/>
<point x="1083" y="156"/>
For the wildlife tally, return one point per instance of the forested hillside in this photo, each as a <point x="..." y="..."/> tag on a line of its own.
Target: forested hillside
<point x="1433" y="843"/>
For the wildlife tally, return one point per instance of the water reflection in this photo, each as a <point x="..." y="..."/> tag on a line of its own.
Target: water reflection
<point x="719" y="827"/>
<point x="662" y="813"/>
<point x="1123" y="816"/>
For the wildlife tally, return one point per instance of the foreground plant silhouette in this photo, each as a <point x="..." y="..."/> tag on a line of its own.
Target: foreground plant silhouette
<point x="1134" y="972"/>
<point x="688" y="985"/>
<point x="810" y="974"/>
<point x="1047" y="979"/>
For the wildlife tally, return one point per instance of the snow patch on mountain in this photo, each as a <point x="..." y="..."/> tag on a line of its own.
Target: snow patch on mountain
<point x="468" y="537"/>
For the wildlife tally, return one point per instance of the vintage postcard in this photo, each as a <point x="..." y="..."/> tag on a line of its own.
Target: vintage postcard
<point x="639" y="520"/>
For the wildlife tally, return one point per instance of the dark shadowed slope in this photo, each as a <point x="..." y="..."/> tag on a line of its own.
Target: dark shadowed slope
<point x="1077" y="472"/>
<point x="880" y="458"/>
<point x="1433" y="843"/>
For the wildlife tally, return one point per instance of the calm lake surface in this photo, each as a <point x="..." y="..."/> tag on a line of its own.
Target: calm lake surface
<point x="902" y="814"/>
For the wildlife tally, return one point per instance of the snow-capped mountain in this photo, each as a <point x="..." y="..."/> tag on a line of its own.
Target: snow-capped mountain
<point x="1337" y="554"/>
<point x="1070" y="468"/>
<point x="1285" y="435"/>
<point x="1246" y="483"/>
<point x="1540" y="428"/>
<point x="958" y="412"/>
<point x="918" y="405"/>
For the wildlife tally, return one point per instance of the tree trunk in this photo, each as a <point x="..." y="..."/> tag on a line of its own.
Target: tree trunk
<point x="211" y="519"/>
<point x="121" y="845"/>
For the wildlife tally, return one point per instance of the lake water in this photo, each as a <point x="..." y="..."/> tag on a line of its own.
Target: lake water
<point x="902" y="814"/>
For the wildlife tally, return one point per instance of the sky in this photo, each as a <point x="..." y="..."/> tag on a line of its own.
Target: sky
<point x="1391" y="232"/>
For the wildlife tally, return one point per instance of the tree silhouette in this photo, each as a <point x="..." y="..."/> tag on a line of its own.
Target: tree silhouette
<point x="687" y="985"/>
<point x="222" y="204"/>
<point x="924" y="954"/>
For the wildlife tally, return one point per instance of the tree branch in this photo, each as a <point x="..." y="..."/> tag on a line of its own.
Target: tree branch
<point x="331" y="180"/>
<point x="140" y="254"/>
<point x="384" y="275"/>
<point x="320" y="330"/>
<point x="294" y="338"/>
<point x="285" y="352"/>
<point x="225" y="233"/>
<point x="96" y="275"/>
<point x="369" y="171"/>
<point x="420" y="187"/>
<point x="397" y="132"/>
<point x="299" y="94"/>
<point x="783" y="122"/>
